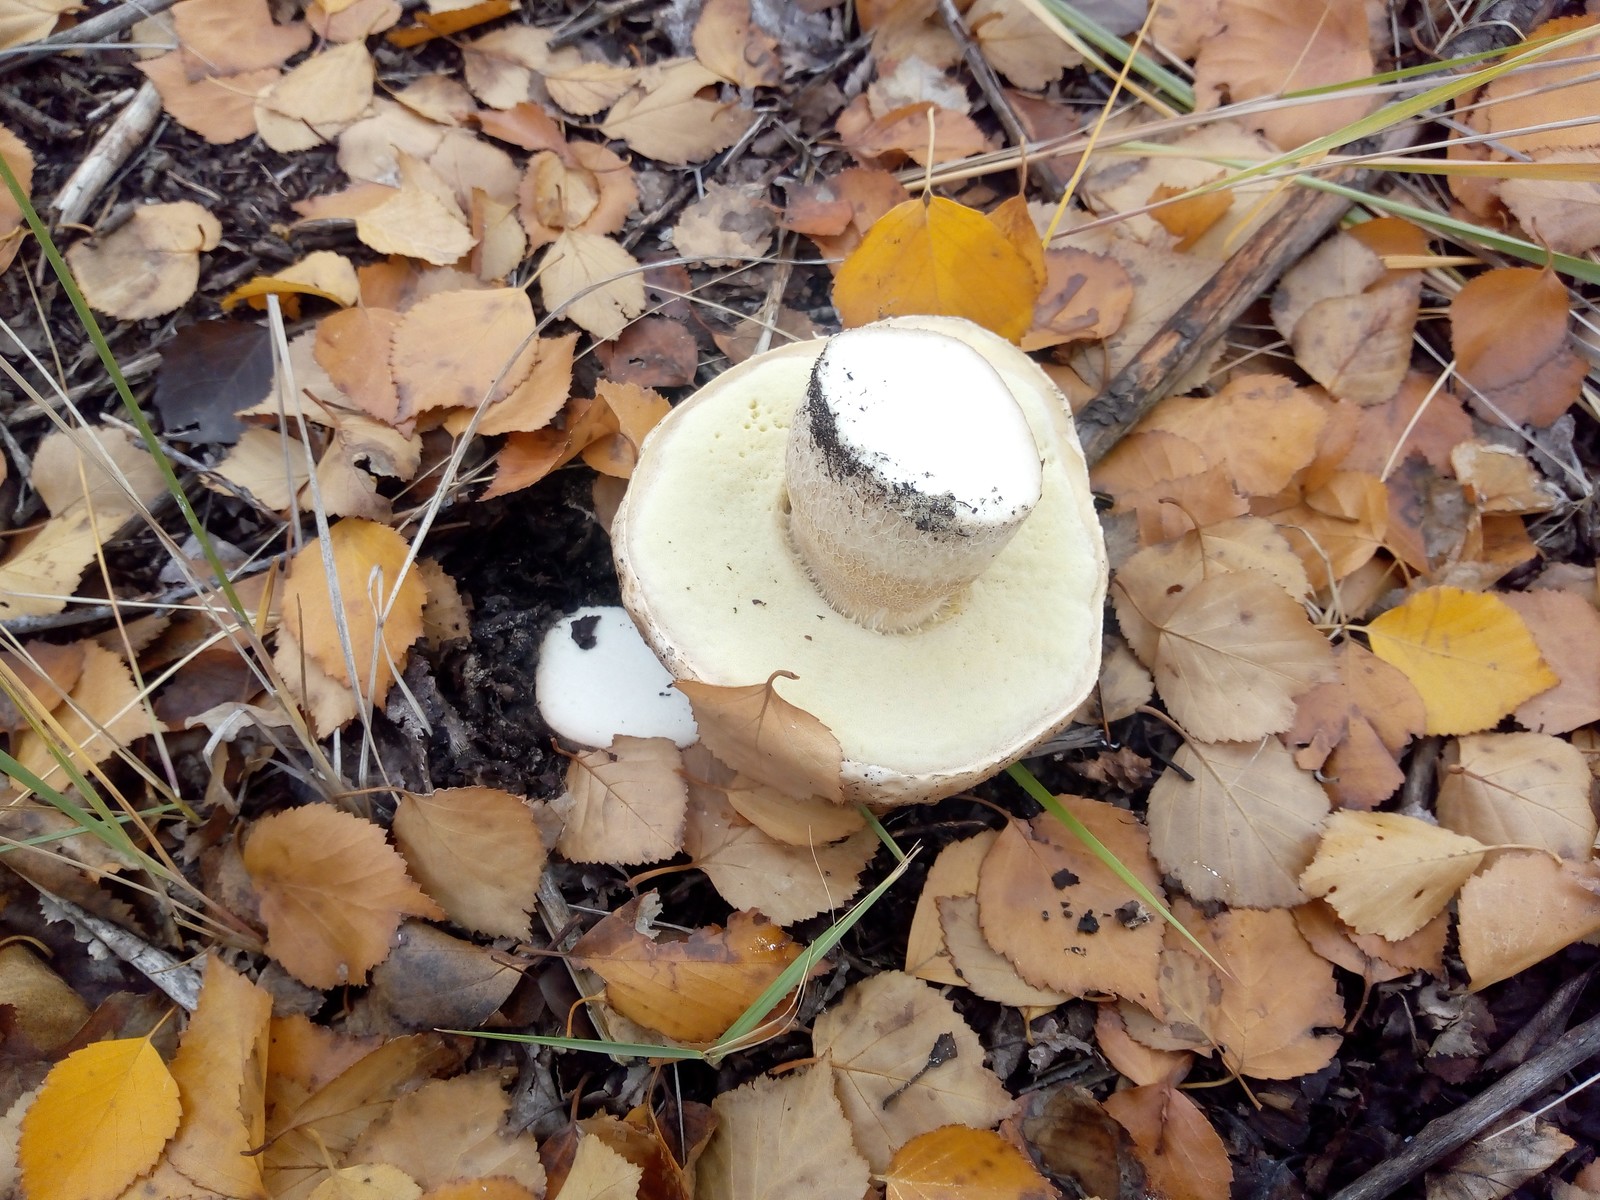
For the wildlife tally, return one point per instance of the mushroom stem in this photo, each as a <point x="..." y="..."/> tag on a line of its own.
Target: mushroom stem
<point x="909" y="467"/>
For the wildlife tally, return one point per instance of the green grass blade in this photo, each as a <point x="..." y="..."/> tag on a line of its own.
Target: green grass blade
<point x="98" y="819"/>
<point x="1086" y="27"/>
<point x="593" y="1045"/>
<point x="884" y="836"/>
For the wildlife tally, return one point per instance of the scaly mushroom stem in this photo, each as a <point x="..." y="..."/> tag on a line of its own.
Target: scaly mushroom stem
<point x="909" y="467"/>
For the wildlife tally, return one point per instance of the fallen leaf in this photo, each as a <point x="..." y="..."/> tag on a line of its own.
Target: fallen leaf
<point x="1337" y="527"/>
<point x="938" y="257"/>
<point x="102" y="715"/>
<point x="451" y="1129"/>
<point x="600" y="1173"/>
<point x="726" y="226"/>
<point x="475" y="850"/>
<point x="889" y="138"/>
<point x="1420" y="418"/>
<point x="690" y="990"/>
<point x="433" y="980"/>
<point x="652" y="352"/>
<point x="1468" y="654"/>
<point x="954" y="873"/>
<point x="366" y="1182"/>
<point x="1566" y="629"/>
<point x="322" y="273"/>
<point x="332" y="892"/>
<point x="665" y="118"/>
<point x="1065" y="920"/>
<point x="728" y="42"/>
<point x="624" y="804"/>
<point x="1078" y="1142"/>
<point x="19" y="159"/>
<point x="1183" y="1157"/>
<point x="894" y="1036"/>
<point x="235" y="36"/>
<point x="590" y="88"/>
<point x="593" y="282"/>
<point x="1529" y="789"/>
<point x="1500" y="479"/>
<point x="812" y="821"/>
<point x="582" y="187"/>
<point x="1139" y="1063"/>
<point x="316" y="101"/>
<point x="1387" y="873"/>
<point x="761" y="735"/>
<point x="1262" y="429"/>
<point x="637" y="410"/>
<point x="149" y="266"/>
<point x="28" y="22"/>
<point x="1236" y="822"/>
<point x="1018" y="45"/>
<point x="981" y="968"/>
<point x="1522" y="908"/>
<point x="99" y="1121"/>
<point x="783" y="1138"/>
<point x="1502" y="1160"/>
<point x="957" y="1163"/>
<point x="416" y="222"/>
<point x="1509" y="330"/>
<point x="1085" y="297"/>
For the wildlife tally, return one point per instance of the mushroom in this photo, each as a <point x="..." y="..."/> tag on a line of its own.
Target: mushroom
<point x="900" y="517"/>
<point x="596" y="679"/>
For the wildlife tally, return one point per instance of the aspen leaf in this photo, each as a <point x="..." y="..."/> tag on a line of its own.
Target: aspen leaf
<point x="1522" y="908"/>
<point x="104" y="716"/>
<point x="957" y="1163"/>
<point x="954" y="873"/>
<point x="783" y="1138"/>
<point x="690" y="990"/>
<point x="463" y="349"/>
<point x="812" y="821"/>
<point x="590" y="88"/>
<point x="353" y="347"/>
<point x="892" y="1035"/>
<point x="322" y="273"/>
<point x="1183" y="1157"/>
<point x="624" y="804"/>
<point x="637" y="410"/>
<point x="1273" y="1015"/>
<point x="1262" y="429"/>
<point x="1139" y="1063"/>
<point x="149" y="266"/>
<point x="234" y="36"/>
<point x="1375" y="959"/>
<point x="1468" y="654"/>
<point x="1337" y="527"/>
<point x="451" y="1129"/>
<point x="317" y="100"/>
<point x="760" y="734"/>
<point x="1065" y="920"/>
<point x="1527" y="788"/>
<point x="332" y="892"/>
<point x="1241" y="827"/>
<point x="1019" y="45"/>
<point x="751" y="869"/>
<point x="1509" y="330"/>
<point x="367" y="558"/>
<point x="1084" y="297"/>
<point x="593" y="282"/>
<point x="941" y="258"/>
<point x="728" y="42"/>
<point x="99" y="1121"/>
<point x="477" y="851"/>
<point x="416" y="222"/>
<point x="1387" y="873"/>
<point x="582" y="187"/>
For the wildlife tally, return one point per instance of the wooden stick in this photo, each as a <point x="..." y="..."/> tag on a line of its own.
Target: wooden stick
<point x="100" y="28"/>
<point x="115" y="147"/>
<point x="1451" y="1132"/>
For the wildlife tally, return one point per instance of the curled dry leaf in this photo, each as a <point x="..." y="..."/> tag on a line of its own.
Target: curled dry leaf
<point x="1274" y="1014"/>
<point x="1530" y="789"/>
<point x="1522" y="908"/>
<point x="332" y="892"/>
<point x="691" y="990"/>
<point x="149" y="266"/>
<point x="580" y="187"/>
<point x="1237" y="822"/>
<point x="1018" y="45"/>
<point x="379" y="610"/>
<point x="892" y="1035"/>
<point x="1387" y="873"/>
<point x="636" y="411"/>
<point x="322" y="273"/>
<point x="1468" y="654"/>
<point x="624" y="804"/>
<point x="938" y="257"/>
<point x="475" y="850"/>
<point x="783" y="1138"/>
<point x="761" y="735"/>
<point x="957" y="1163"/>
<point x="1065" y="920"/>
<point x="1183" y="1157"/>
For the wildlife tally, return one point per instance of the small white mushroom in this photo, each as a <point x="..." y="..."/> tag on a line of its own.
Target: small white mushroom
<point x="938" y="491"/>
<point x="909" y="467"/>
<point x="596" y="679"/>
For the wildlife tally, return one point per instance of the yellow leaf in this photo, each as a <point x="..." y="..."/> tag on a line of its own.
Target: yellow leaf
<point x="1468" y="653"/>
<point x="940" y="258"/>
<point x="99" y="1122"/>
<point x="957" y="1163"/>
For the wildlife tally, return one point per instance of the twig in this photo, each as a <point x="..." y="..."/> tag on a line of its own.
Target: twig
<point x="1454" y="1130"/>
<point x="100" y="28"/>
<point x="115" y="147"/>
<point x="1552" y="1014"/>
<point x="594" y="18"/>
<point x="32" y="119"/>
<point x="181" y="983"/>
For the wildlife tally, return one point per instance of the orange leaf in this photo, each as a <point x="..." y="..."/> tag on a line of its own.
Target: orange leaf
<point x="941" y="258"/>
<point x="332" y="893"/>
<point x="98" y="1123"/>
<point x="1509" y="330"/>
<point x="1183" y="1157"/>
<point x="957" y="1163"/>
<point x="1468" y="654"/>
<point x="760" y="734"/>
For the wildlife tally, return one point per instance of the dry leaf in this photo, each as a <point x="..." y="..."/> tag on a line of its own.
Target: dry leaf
<point x="366" y="1182"/>
<point x="892" y="1035"/>
<point x="1018" y="45"/>
<point x="1352" y="732"/>
<point x="1498" y="1163"/>
<point x="812" y="821"/>
<point x="316" y="101"/>
<point x="1566" y="628"/>
<point x="600" y="1173"/>
<point x="957" y="1163"/>
<point x="373" y="597"/>
<point x="321" y="273"/>
<point x="475" y="850"/>
<point x="690" y="990"/>
<point x="582" y="187"/>
<point x="1085" y="297"/>
<point x="953" y="873"/>
<point x="1241" y="827"/>
<point x="1183" y="1157"/>
<point x="637" y="410"/>
<point x="761" y="735"/>
<point x="99" y="1121"/>
<point x="781" y="1139"/>
<point x="149" y="266"/>
<point x="103" y="714"/>
<point x="451" y="1129"/>
<point x="938" y="257"/>
<point x="332" y="892"/>
<point x="624" y="804"/>
<point x="726" y="226"/>
<point x="1262" y="429"/>
<point x="1468" y="654"/>
<point x="1387" y="873"/>
<point x="1509" y="330"/>
<point x="1500" y="479"/>
<point x="416" y="221"/>
<point x="593" y="282"/>
<point x="1522" y="908"/>
<point x="729" y="43"/>
<point x="31" y="20"/>
<point x="231" y="37"/>
<point x="1065" y="920"/>
<point x="666" y="118"/>
<point x="464" y="349"/>
<point x="19" y="158"/>
<point x="1529" y="789"/>
<point x="983" y="969"/>
<point x="1139" y="1063"/>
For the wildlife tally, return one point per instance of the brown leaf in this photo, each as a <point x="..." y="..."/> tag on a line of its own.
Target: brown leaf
<point x="149" y="266"/>
<point x="1509" y="330"/>
<point x="1353" y="730"/>
<point x="637" y="410"/>
<point x="690" y="990"/>
<point x="1522" y="908"/>
<point x="435" y="981"/>
<point x="1085" y="297"/>
<point x="477" y="851"/>
<point x="463" y="349"/>
<point x="760" y="734"/>
<point x="982" y="968"/>
<point x="332" y="892"/>
<point x="1183" y="1157"/>
<point x="1525" y="788"/>
<point x="957" y="1163"/>
<point x="1501" y="1161"/>
<point x="235" y="36"/>
<point x="666" y="118"/>
<point x="1566" y="628"/>
<point x="1062" y="917"/>
<point x="593" y="282"/>
<point x="1140" y="1063"/>
<point x="811" y="821"/>
<point x="102" y="715"/>
<point x="1261" y="427"/>
<point x="783" y="1138"/>
<point x="624" y="804"/>
<point x="729" y="43"/>
<point x="316" y="101"/>
<point x="954" y="873"/>
<point x="894" y="1036"/>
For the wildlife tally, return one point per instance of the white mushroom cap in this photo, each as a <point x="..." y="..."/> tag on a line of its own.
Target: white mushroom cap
<point x="596" y="679"/>
<point x="721" y="592"/>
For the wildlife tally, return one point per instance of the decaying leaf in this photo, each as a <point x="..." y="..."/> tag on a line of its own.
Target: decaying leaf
<point x="1352" y="731"/>
<point x="690" y="990"/>
<point x="149" y="266"/>
<point x="1183" y="1157"/>
<point x="1509" y="329"/>
<point x="1527" y="789"/>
